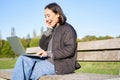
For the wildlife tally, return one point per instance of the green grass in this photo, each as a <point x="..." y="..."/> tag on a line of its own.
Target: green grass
<point x="7" y="63"/>
<point x="100" y="67"/>
<point x="86" y="67"/>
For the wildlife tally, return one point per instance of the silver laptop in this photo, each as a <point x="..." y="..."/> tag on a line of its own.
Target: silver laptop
<point x="18" y="48"/>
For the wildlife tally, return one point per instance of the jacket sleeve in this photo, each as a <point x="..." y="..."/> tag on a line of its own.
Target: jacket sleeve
<point x="44" y="41"/>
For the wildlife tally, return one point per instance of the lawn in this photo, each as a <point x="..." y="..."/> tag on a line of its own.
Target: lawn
<point x="100" y="67"/>
<point x="86" y="67"/>
<point x="7" y="63"/>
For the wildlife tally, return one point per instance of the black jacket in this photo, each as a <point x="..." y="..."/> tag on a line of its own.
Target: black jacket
<point x="64" y="45"/>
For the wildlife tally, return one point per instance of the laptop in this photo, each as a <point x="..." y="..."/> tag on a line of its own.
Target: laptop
<point x="18" y="48"/>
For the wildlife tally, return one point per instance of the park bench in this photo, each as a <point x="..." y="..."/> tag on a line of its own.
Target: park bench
<point x="91" y="51"/>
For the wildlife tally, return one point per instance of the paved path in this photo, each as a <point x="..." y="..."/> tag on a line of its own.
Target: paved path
<point x="6" y="75"/>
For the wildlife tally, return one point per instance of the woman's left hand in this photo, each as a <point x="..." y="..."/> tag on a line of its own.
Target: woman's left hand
<point x="42" y="53"/>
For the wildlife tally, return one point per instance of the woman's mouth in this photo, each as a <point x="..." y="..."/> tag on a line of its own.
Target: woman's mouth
<point x="49" y="22"/>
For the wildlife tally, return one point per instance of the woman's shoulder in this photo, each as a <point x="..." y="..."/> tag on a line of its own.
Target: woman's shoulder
<point x="68" y="26"/>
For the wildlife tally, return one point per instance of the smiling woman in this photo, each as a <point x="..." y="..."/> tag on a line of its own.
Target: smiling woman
<point x="58" y="44"/>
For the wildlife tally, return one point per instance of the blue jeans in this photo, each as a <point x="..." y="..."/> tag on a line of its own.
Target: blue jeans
<point x="27" y="68"/>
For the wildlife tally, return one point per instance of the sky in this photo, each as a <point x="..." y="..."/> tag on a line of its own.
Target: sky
<point x="88" y="17"/>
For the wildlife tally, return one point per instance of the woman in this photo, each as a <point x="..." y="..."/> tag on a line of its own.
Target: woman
<point x="58" y="45"/>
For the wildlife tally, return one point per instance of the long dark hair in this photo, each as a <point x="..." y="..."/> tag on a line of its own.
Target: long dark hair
<point x="57" y="10"/>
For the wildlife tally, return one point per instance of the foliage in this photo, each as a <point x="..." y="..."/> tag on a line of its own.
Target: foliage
<point x="89" y="38"/>
<point x="78" y="40"/>
<point x="34" y="42"/>
<point x="28" y="40"/>
<point x="24" y="43"/>
<point x="118" y="36"/>
<point x="7" y="51"/>
<point x="41" y="31"/>
<point x="105" y="37"/>
<point x="93" y="38"/>
<point x="0" y="46"/>
<point x="34" y="34"/>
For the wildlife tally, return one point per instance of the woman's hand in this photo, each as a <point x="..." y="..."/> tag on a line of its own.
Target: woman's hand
<point x="42" y="53"/>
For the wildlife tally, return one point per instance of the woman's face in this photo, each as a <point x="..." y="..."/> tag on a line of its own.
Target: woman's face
<point x="51" y="18"/>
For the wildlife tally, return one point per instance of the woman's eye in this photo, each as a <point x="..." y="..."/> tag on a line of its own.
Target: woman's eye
<point x="46" y="16"/>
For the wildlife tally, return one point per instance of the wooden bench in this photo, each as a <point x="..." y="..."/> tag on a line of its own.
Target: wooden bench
<point x="101" y="50"/>
<point x="92" y="51"/>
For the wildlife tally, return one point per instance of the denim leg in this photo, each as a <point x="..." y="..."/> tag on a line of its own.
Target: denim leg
<point x="41" y="68"/>
<point x="23" y="68"/>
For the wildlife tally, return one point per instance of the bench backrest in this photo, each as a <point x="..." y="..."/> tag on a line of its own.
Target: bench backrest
<point x="100" y="50"/>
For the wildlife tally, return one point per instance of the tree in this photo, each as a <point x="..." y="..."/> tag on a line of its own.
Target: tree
<point x="41" y="31"/>
<point x="12" y="31"/>
<point x="0" y="43"/>
<point x="34" y="34"/>
<point x="89" y="38"/>
<point x="34" y="42"/>
<point x="24" y="43"/>
<point x="7" y="50"/>
<point x="0" y="36"/>
<point x="0" y="46"/>
<point x="28" y="36"/>
<point x="104" y="37"/>
<point x="78" y="40"/>
<point x="118" y="36"/>
<point x="28" y="39"/>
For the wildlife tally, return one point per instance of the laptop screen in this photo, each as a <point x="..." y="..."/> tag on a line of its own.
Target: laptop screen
<point x="16" y="45"/>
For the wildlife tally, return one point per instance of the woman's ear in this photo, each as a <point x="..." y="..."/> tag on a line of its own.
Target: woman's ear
<point x="58" y="15"/>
